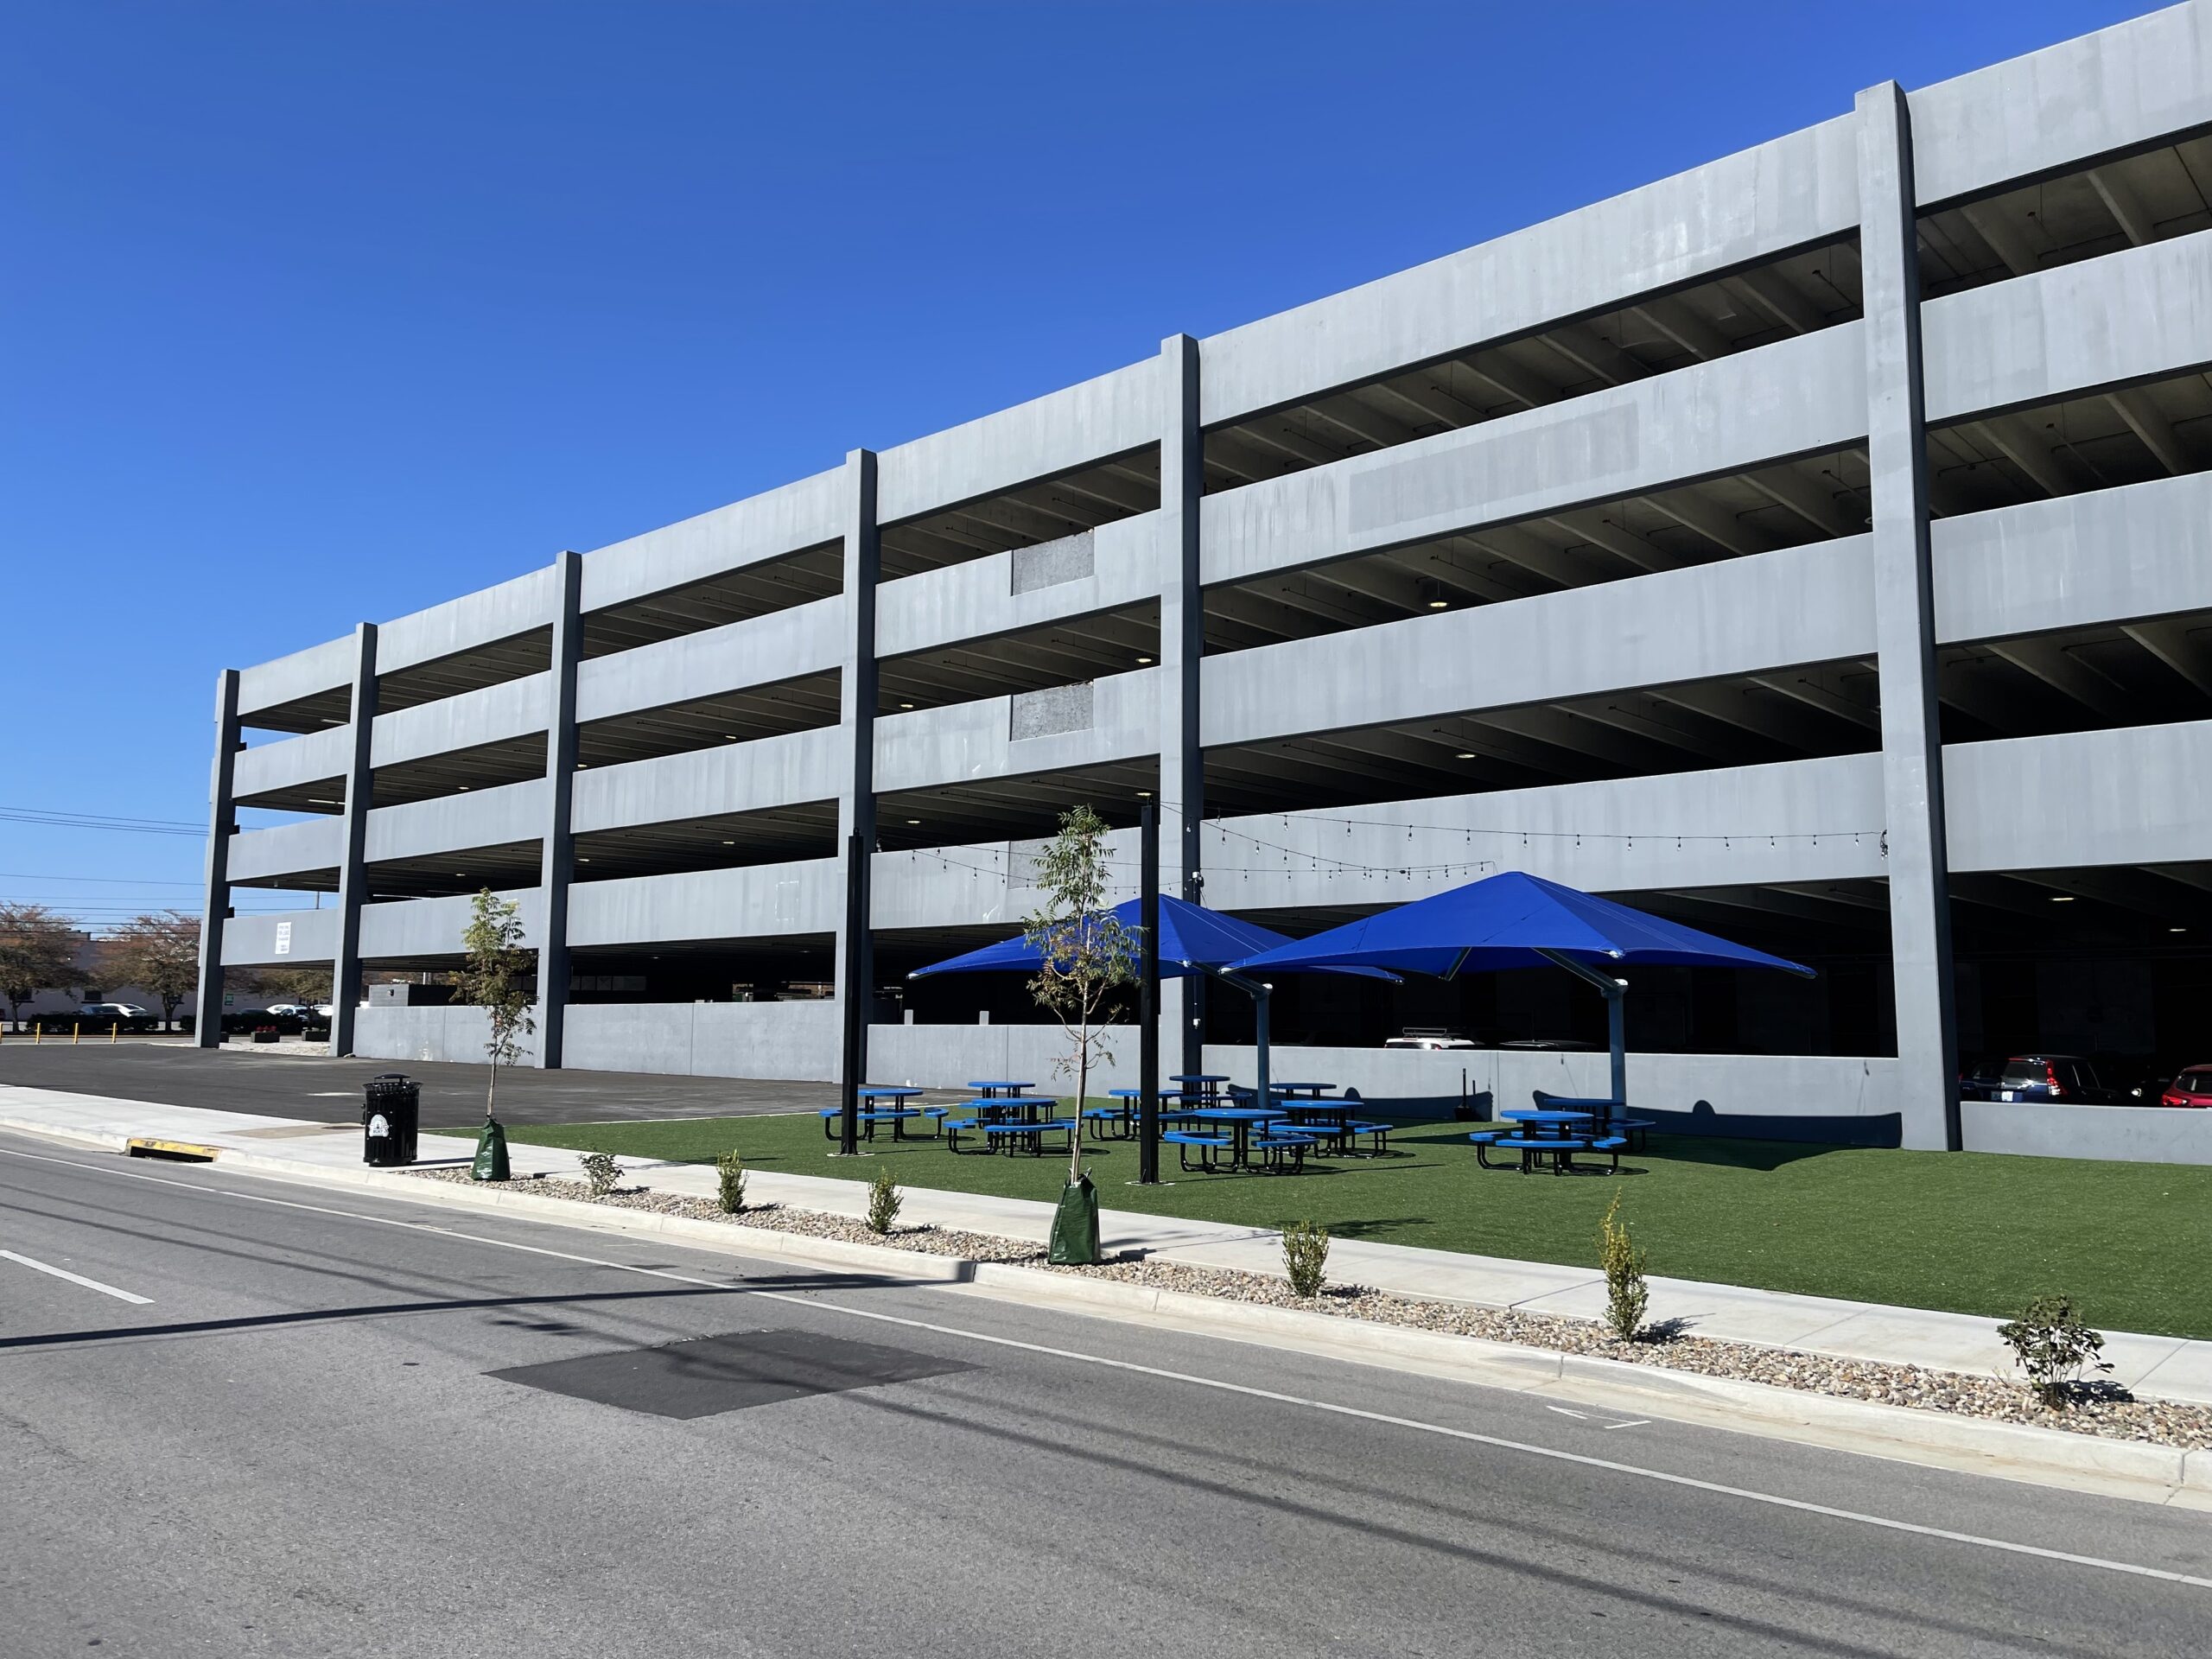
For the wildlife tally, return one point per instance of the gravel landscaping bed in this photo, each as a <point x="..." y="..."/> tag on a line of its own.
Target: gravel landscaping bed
<point x="2102" y="1411"/>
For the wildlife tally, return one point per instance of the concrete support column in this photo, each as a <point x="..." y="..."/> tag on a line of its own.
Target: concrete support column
<point x="352" y="882"/>
<point x="1182" y="642"/>
<point x="557" y="850"/>
<point x="208" y="1012"/>
<point x="1904" y="629"/>
<point x="856" y="730"/>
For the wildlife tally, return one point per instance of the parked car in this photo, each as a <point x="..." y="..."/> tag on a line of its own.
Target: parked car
<point x="1428" y="1037"/>
<point x="2062" y="1077"/>
<point x="2192" y="1088"/>
<point x="291" y="1010"/>
<point x="1979" y="1081"/>
<point x="128" y="1015"/>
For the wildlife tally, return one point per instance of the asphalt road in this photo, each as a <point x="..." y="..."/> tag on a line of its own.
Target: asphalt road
<point x="344" y="1425"/>
<point x="327" y="1090"/>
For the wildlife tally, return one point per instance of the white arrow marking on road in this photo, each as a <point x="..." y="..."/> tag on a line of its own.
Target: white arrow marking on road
<point x="78" y="1279"/>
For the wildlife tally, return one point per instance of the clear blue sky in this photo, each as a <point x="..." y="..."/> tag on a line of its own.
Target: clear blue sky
<point x="318" y="313"/>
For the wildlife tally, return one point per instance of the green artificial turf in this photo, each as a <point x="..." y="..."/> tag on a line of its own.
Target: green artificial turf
<point x="1969" y="1232"/>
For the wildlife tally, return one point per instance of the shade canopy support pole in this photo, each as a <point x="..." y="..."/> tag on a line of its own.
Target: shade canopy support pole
<point x="1615" y="991"/>
<point x="1260" y="992"/>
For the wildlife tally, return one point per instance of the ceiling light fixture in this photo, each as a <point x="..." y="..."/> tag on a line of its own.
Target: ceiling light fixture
<point x="905" y="705"/>
<point x="1143" y="661"/>
<point x="1464" y="755"/>
<point x="1144" y="794"/>
<point x="2061" y="898"/>
<point x="2177" y="929"/>
<point x="464" y="788"/>
<point x="1432" y="594"/>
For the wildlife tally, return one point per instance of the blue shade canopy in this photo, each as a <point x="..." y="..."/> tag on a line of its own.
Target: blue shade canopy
<point x="1510" y="921"/>
<point x="1192" y="940"/>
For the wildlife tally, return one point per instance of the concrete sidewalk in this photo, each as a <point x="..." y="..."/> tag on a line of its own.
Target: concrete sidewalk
<point x="2167" y="1367"/>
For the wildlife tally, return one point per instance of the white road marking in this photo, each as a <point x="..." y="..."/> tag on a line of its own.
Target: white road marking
<point x="2133" y="1569"/>
<point x="1633" y="1422"/>
<point x="78" y="1279"/>
<point x="1564" y="1412"/>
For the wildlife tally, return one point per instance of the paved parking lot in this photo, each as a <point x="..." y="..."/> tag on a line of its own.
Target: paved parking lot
<point x="301" y="1085"/>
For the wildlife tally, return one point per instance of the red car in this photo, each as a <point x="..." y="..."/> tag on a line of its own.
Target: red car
<point x="2192" y="1088"/>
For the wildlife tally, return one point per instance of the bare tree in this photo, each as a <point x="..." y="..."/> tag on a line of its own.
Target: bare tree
<point x="158" y="953"/>
<point x="1086" y="951"/>
<point x="38" y="952"/>
<point x="495" y="967"/>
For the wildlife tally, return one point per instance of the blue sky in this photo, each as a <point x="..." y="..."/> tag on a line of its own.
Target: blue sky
<point x="324" y="312"/>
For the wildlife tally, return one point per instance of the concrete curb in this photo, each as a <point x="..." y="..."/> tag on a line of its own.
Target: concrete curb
<point x="2012" y="1451"/>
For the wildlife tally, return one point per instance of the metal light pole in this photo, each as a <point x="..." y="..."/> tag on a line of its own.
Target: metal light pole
<point x="1148" y="1019"/>
<point x="853" y="994"/>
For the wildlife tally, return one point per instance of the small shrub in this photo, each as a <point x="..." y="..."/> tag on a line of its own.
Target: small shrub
<point x="883" y="1202"/>
<point x="1305" y="1257"/>
<point x="1627" y="1297"/>
<point x="731" y="1168"/>
<point x="602" y="1171"/>
<point x="2053" y="1347"/>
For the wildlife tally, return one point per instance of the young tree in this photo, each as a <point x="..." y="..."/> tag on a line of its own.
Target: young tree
<point x="494" y="969"/>
<point x="38" y="952"/>
<point x="1086" y="955"/>
<point x="159" y="953"/>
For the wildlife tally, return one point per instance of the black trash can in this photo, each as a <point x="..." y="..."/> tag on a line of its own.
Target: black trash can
<point x="390" y="1117"/>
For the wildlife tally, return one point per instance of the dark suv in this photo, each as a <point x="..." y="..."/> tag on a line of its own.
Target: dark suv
<point x="2062" y="1077"/>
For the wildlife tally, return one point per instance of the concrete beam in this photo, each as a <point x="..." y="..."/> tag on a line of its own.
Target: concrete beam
<point x="556" y="851"/>
<point x="208" y="1007"/>
<point x="352" y="879"/>
<point x="1904" y="624"/>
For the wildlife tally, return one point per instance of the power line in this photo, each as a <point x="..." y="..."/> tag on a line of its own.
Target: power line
<point x="102" y="880"/>
<point x="56" y="818"/>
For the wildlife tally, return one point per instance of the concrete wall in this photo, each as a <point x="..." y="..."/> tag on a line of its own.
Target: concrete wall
<point x="2134" y="1133"/>
<point x="1765" y="201"/>
<point x="798" y="1040"/>
<point x="759" y="651"/>
<point x="2139" y="312"/>
<point x="488" y="715"/>
<point x="996" y="594"/>
<point x="1803" y="605"/>
<point x="2140" y="550"/>
<point x="325" y="667"/>
<point x="736" y="777"/>
<point x="310" y="758"/>
<point x="782" y="520"/>
<point x="1800" y="395"/>
<point x="382" y="1032"/>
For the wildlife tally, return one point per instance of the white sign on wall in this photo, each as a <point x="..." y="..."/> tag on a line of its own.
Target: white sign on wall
<point x="283" y="938"/>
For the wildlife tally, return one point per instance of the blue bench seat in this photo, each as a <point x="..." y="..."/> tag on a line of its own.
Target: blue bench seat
<point x="1282" y="1152"/>
<point x="1184" y="1140"/>
<point x="1377" y="1134"/>
<point x="1530" y="1148"/>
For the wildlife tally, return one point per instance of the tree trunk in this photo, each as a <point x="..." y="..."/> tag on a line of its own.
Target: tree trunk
<point x="492" y="1089"/>
<point x="1082" y="1099"/>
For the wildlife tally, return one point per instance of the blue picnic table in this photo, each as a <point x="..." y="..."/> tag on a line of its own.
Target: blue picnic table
<point x="870" y="1114"/>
